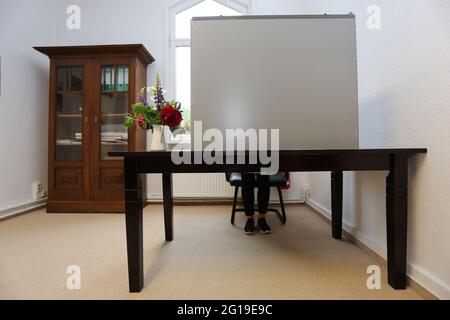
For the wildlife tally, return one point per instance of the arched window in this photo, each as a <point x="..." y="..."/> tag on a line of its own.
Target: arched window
<point x="178" y="66"/>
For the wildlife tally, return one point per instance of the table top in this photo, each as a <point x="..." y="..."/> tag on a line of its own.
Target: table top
<point x="337" y="152"/>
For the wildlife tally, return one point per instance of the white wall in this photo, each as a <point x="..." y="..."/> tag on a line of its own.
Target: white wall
<point x="404" y="74"/>
<point x="404" y="97"/>
<point x="23" y="99"/>
<point x="116" y="22"/>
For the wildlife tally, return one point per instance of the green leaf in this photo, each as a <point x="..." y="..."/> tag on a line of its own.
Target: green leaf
<point x="138" y="108"/>
<point x="129" y="121"/>
<point x="151" y="116"/>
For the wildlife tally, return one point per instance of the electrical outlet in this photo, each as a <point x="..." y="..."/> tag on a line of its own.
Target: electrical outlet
<point x="307" y="192"/>
<point x="37" y="190"/>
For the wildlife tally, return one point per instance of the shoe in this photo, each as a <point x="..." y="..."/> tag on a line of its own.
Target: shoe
<point x="264" y="228"/>
<point x="249" y="228"/>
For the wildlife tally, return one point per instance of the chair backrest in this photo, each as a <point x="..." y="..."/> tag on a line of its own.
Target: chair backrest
<point x="275" y="182"/>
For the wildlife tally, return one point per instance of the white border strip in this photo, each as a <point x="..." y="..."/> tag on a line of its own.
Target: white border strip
<point x="10" y="212"/>
<point x="424" y="278"/>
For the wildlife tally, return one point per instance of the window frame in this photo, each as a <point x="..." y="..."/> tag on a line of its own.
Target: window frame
<point x="177" y="6"/>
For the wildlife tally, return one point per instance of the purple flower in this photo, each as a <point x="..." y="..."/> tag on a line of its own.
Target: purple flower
<point x="159" y="96"/>
<point x="142" y="97"/>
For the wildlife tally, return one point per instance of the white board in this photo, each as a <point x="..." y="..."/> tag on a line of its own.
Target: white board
<point x="297" y="74"/>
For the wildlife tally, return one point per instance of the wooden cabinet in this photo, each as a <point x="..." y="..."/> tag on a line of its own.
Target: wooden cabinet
<point x="91" y="91"/>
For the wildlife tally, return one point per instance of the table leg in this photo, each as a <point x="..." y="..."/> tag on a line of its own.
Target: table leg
<point x="168" y="205"/>
<point x="133" y="220"/>
<point x="336" y="204"/>
<point x="396" y="220"/>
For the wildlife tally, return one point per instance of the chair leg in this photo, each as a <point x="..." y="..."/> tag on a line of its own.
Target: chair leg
<point x="233" y="210"/>
<point x="282" y="216"/>
<point x="283" y="212"/>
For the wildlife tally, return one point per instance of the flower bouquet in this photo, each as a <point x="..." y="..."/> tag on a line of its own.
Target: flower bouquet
<point x="155" y="113"/>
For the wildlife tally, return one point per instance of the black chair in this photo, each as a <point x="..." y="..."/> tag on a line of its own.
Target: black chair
<point x="278" y="180"/>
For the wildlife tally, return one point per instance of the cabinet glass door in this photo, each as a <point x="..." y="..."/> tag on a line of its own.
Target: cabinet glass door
<point x="69" y="113"/>
<point x="114" y="108"/>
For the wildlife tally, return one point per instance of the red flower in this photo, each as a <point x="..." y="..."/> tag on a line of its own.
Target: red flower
<point x="170" y="116"/>
<point x="140" y="121"/>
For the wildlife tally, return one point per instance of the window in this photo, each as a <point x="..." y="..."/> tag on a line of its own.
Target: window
<point x="178" y="69"/>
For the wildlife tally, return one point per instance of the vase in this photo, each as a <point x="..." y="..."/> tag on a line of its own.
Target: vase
<point x="158" y="142"/>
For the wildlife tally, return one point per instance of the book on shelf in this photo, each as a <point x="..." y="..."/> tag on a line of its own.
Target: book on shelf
<point x="63" y="142"/>
<point x="107" y="78"/>
<point x="107" y="137"/>
<point x="115" y="142"/>
<point x="114" y="134"/>
<point x="114" y="137"/>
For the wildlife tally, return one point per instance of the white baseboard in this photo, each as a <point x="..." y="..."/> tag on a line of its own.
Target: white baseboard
<point x="424" y="278"/>
<point x="350" y="229"/>
<point x="436" y="286"/>
<point x="26" y="207"/>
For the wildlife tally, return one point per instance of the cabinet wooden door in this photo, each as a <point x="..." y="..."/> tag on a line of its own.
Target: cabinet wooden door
<point x="113" y="95"/>
<point x="70" y="99"/>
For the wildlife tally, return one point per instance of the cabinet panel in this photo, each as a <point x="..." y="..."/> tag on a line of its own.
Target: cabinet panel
<point x="68" y="178"/>
<point x="111" y="178"/>
<point x="114" y="106"/>
<point x="69" y="113"/>
<point x="113" y="96"/>
<point x="69" y="129"/>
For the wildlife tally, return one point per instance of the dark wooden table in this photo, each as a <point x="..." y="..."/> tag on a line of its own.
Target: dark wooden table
<point x="393" y="160"/>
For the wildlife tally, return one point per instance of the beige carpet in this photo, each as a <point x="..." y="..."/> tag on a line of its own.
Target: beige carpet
<point x="209" y="258"/>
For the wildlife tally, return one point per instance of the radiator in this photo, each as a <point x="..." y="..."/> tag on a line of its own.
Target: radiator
<point x="201" y="185"/>
<point x="213" y="186"/>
